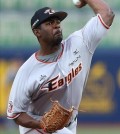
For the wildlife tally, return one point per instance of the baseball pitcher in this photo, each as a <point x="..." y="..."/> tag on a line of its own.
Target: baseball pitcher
<point x="47" y="89"/>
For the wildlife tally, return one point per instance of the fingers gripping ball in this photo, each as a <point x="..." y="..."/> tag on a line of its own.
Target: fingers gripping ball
<point x="79" y="3"/>
<point x="56" y="118"/>
<point x="75" y="1"/>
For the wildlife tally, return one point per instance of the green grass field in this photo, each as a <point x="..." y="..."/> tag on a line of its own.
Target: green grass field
<point x="94" y="129"/>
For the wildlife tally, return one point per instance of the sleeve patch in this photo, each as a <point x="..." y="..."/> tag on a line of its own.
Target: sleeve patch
<point x="10" y="107"/>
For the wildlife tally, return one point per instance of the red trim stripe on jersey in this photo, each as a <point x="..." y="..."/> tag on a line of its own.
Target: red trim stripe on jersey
<point x="50" y="62"/>
<point x="39" y="131"/>
<point x="13" y="117"/>
<point x="101" y="20"/>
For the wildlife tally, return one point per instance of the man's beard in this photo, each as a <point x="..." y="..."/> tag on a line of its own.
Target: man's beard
<point x="58" y="40"/>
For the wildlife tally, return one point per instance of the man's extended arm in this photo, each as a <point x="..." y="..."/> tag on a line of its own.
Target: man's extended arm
<point x="99" y="7"/>
<point x="27" y="121"/>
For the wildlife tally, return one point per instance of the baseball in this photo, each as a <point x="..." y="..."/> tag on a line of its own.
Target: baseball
<point x="75" y="1"/>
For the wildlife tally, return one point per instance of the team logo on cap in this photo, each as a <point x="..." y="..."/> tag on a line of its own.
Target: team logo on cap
<point x="49" y="11"/>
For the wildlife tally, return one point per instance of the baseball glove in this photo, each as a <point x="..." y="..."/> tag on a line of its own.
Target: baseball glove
<point x="56" y="118"/>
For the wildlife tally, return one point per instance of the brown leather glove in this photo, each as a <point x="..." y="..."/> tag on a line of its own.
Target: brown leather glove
<point x="56" y="118"/>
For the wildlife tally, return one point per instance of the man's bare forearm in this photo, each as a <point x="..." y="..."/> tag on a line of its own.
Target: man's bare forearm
<point x="102" y="8"/>
<point x="27" y="121"/>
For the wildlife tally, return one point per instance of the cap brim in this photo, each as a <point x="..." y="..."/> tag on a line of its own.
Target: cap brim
<point x="61" y="15"/>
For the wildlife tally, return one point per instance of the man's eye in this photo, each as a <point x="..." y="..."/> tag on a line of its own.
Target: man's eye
<point x="58" y="21"/>
<point x="50" y="22"/>
<point x="53" y="22"/>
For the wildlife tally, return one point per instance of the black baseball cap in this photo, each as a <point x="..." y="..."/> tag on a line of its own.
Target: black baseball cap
<point x="45" y="13"/>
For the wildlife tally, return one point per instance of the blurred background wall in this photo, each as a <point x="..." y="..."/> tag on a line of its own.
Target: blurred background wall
<point x="101" y="98"/>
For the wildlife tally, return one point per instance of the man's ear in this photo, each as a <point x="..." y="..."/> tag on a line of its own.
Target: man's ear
<point x="36" y="32"/>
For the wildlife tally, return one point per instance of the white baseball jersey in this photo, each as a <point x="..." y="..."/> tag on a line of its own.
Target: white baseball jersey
<point x="64" y="80"/>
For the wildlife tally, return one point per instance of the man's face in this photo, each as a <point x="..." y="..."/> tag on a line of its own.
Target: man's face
<point x="50" y="31"/>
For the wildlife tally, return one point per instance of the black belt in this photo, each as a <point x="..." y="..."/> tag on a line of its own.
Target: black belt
<point x="71" y="122"/>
